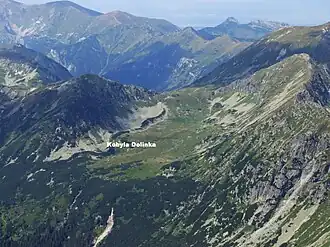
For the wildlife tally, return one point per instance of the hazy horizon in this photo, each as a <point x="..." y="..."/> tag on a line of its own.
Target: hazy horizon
<point x="199" y="13"/>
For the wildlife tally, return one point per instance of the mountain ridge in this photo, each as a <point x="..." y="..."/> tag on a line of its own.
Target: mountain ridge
<point x="252" y="151"/>
<point x="251" y="31"/>
<point x="243" y="161"/>
<point x="271" y="49"/>
<point x="24" y="69"/>
<point x="70" y="110"/>
<point x="72" y="4"/>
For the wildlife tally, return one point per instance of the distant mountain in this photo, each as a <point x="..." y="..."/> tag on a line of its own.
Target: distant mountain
<point x="24" y="69"/>
<point x="147" y="52"/>
<point x="281" y="44"/>
<point x="244" y="32"/>
<point x="69" y="4"/>
<point x="133" y="54"/>
<point x="68" y="22"/>
<point x="174" y="60"/>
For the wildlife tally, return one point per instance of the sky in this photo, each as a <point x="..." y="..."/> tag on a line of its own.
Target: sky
<point x="199" y="13"/>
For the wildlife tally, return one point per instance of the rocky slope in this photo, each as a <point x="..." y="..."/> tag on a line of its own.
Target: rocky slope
<point x="73" y="115"/>
<point x="174" y="60"/>
<point x="239" y="163"/>
<point x="153" y="60"/>
<point x="23" y="69"/>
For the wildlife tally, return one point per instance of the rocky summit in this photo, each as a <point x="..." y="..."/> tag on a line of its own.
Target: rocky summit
<point x="238" y="158"/>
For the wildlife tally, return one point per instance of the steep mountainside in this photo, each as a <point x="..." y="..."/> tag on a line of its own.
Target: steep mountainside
<point x="174" y="60"/>
<point x="25" y="69"/>
<point x="152" y="61"/>
<point x="314" y="41"/>
<point x="252" y="31"/>
<point x="242" y="163"/>
<point x="81" y="111"/>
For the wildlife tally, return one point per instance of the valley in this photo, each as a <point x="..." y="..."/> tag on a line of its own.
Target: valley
<point x="241" y="154"/>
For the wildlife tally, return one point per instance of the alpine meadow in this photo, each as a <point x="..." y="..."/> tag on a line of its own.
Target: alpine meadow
<point x="126" y="131"/>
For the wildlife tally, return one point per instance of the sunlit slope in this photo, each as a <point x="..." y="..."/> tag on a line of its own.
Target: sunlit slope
<point x="271" y="50"/>
<point x="24" y="69"/>
<point x="259" y="147"/>
<point x="241" y="165"/>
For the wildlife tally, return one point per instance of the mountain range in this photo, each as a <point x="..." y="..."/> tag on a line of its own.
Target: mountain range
<point x="146" y="52"/>
<point x="241" y="157"/>
<point x="249" y="32"/>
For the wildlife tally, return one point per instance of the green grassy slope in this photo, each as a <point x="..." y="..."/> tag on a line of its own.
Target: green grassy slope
<point x="242" y="165"/>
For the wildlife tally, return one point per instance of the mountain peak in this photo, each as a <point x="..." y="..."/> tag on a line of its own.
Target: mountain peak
<point x="8" y="2"/>
<point x="74" y="5"/>
<point x="117" y="17"/>
<point x="273" y="49"/>
<point x="243" y="32"/>
<point x="269" y="25"/>
<point x="231" y="20"/>
<point x="189" y="29"/>
<point x="117" y="13"/>
<point x="191" y="33"/>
